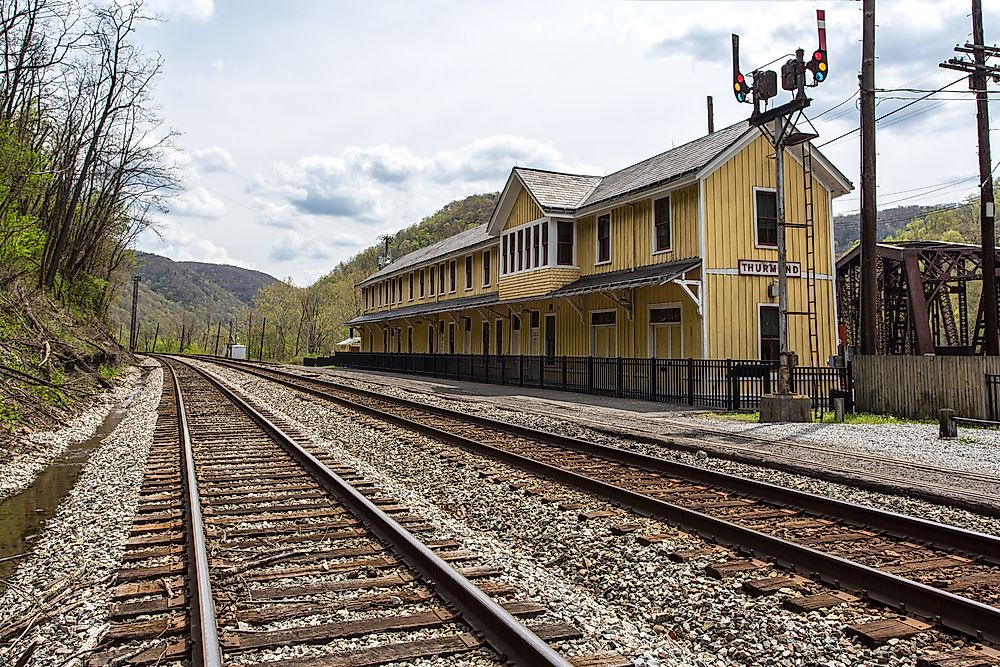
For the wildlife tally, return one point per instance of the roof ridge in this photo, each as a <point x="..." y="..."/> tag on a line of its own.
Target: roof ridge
<point x="558" y="173"/>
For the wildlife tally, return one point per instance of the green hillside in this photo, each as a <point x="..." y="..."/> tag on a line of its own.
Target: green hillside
<point x="889" y="222"/>
<point x="188" y="296"/>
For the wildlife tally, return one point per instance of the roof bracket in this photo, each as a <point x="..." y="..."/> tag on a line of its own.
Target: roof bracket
<point x="620" y="299"/>
<point x="577" y="305"/>
<point x="686" y="285"/>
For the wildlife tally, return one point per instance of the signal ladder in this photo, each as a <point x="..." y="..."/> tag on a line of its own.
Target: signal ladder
<point x="808" y="224"/>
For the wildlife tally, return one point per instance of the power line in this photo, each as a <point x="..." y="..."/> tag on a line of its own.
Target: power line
<point x="894" y="111"/>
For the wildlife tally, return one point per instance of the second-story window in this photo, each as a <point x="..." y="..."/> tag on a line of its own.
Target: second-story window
<point x="431" y="282"/>
<point x="661" y="225"/>
<point x="513" y="252"/>
<point x="441" y="274"/>
<point x="503" y="256"/>
<point x="766" y="208"/>
<point x="468" y="272"/>
<point x="604" y="238"/>
<point x="421" y="283"/>
<point x="411" y="286"/>
<point x="536" y="242"/>
<point x="545" y="244"/>
<point x="486" y="268"/>
<point x="564" y="243"/>
<point x="520" y="250"/>
<point x="451" y="275"/>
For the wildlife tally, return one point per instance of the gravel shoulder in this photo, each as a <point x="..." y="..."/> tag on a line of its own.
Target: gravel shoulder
<point x="626" y="595"/>
<point x="32" y="452"/>
<point x="63" y="588"/>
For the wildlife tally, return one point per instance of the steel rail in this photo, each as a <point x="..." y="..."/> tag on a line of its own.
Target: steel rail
<point x="948" y="610"/>
<point x="206" y="650"/>
<point x="498" y="627"/>
<point x="943" y="536"/>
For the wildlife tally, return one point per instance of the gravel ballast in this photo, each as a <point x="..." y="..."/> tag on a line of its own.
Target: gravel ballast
<point x="64" y="585"/>
<point x="626" y="596"/>
<point x="893" y="502"/>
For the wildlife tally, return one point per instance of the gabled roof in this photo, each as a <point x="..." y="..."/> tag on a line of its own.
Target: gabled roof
<point x="686" y="159"/>
<point x="557" y="191"/>
<point x="470" y="238"/>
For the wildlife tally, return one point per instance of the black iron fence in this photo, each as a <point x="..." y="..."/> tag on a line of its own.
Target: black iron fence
<point x="726" y="384"/>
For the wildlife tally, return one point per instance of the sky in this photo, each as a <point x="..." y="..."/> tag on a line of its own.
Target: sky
<point x="307" y="129"/>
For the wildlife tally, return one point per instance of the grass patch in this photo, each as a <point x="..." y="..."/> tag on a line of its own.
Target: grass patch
<point x="827" y="418"/>
<point x="110" y="371"/>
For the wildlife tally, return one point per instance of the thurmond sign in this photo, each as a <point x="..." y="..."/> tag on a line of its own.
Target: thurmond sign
<point x="757" y="267"/>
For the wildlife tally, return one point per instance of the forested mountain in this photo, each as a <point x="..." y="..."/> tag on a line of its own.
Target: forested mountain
<point x="184" y="294"/>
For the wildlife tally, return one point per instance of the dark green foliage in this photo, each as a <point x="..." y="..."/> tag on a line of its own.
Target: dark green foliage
<point x="847" y="228"/>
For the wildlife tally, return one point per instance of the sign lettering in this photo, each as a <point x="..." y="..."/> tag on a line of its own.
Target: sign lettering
<point x="760" y="267"/>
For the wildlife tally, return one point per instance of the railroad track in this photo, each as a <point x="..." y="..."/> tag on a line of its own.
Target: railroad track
<point x="946" y="575"/>
<point x="920" y="480"/>
<point x="246" y="544"/>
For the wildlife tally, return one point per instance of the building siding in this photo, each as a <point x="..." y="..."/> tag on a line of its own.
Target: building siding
<point x="525" y="210"/>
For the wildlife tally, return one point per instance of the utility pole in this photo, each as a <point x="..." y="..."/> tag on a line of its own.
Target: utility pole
<point x="156" y="336"/>
<point x="218" y="334"/>
<point x="979" y="74"/>
<point x="133" y="332"/>
<point x="869" y="204"/>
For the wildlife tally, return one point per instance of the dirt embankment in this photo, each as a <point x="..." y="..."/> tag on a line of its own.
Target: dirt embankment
<point x="53" y="361"/>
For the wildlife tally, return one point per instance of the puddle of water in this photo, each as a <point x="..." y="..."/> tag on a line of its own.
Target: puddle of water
<point x="22" y="515"/>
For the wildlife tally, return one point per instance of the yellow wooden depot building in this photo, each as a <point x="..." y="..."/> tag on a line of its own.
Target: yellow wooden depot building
<point x="672" y="257"/>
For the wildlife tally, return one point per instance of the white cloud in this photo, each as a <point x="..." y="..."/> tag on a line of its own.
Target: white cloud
<point x="199" y="10"/>
<point x="197" y="202"/>
<point x="219" y="65"/>
<point x="293" y="246"/>
<point x="212" y="158"/>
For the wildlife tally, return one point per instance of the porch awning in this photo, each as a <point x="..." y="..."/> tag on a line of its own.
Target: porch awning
<point x="426" y="309"/>
<point x="658" y="274"/>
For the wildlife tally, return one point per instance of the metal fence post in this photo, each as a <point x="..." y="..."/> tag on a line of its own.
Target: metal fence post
<point x="564" y="372"/>
<point x="618" y="380"/>
<point x="652" y="378"/>
<point x="590" y="375"/>
<point x="690" y="380"/>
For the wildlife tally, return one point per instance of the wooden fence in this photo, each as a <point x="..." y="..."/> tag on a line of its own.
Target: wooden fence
<point x="917" y="387"/>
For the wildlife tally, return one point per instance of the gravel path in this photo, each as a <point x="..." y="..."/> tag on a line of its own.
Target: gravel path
<point x="64" y="585"/>
<point x="32" y="452"/>
<point x="626" y="596"/>
<point x="896" y="503"/>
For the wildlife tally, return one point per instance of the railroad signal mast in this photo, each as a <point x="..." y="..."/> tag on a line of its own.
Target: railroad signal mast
<point x="779" y="124"/>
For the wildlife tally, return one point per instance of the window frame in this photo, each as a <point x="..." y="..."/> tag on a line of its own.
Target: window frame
<point x="453" y="276"/>
<point x="470" y="267"/>
<point x="597" y="239"/>
<point x="423" y="290"/>
<point x="756" y="232"/>
<point x="572" y="244"/>
<point x="591" y="326"/>
<point x="411" y="285"/>
<point x="760" y="329"/>
<point x="670" y="225"/>
<point x="487" y="259"/>
<point x="432" y="283"/>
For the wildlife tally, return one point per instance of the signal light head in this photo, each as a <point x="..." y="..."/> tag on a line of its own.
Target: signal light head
<point x="818" y="55"/>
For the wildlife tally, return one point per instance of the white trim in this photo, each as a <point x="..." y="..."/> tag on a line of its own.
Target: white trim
<point x="702" y="234"/>
<point x="498" y="328"/>
<point x="597" y="238"/>
<point x="650" y="336"/>
<point x="591" y="326"/>
<point x="759" y="331"/>
<point x="756" y="236"/>
<point x="652" y="224"/>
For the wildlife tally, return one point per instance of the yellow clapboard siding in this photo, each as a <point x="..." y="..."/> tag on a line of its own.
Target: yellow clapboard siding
<point x="525" y="210"/>
<point x="536" y="282"/>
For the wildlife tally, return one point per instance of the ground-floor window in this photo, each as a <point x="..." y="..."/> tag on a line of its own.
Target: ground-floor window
<point x="486" y="337"/>
<point x="430" y="339"/>
<point x="515" y="334"/>
<point x="665" y="334"/>
<point x="409" y="340"/>
<point x="499" y="337"/>
<point x="604" y="333"/>
<point x="467" y="335"/>
<point x="385" y="339"/>
<point x="770" y="344"/>
<point x="534" y="333"/>
<point x="451" y="336"/>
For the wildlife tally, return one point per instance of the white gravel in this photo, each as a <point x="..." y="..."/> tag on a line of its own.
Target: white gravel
<point x="627" y="597"/>
<point x="65" y="583"/>
<point x="30" y="453"/>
